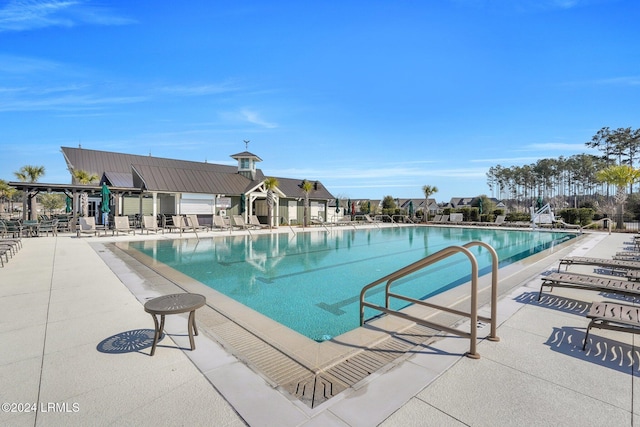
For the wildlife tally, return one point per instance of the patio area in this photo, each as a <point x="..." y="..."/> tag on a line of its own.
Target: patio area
<point x="76" y="352"/>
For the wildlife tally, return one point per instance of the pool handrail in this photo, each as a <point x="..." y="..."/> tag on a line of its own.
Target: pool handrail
<point x="429" y="260"/>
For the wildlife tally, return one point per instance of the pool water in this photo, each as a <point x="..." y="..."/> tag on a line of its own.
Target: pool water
<point x="311" y="282"/>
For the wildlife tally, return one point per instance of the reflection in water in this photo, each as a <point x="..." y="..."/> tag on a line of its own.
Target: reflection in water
<point x="311" y="282"/>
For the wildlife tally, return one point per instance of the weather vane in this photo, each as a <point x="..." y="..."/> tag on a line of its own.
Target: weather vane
<point x="246" y="144"/>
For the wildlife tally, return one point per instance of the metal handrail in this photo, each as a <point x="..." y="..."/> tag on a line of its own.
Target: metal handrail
<point x="429" y="260"/>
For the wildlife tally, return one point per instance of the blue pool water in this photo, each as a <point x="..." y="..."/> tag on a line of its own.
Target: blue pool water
<point x="311" y="282"/>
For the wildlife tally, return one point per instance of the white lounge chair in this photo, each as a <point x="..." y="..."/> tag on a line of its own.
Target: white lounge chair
<point x="345" y="220"/>
<point x="192" y="221"/>
<point x="121" y="225"/>
<point x="86" y="225"/>
<point x="149" y="223"/>
<point x="238" y="221"/>
<point x="253" y="220"/>
<point x="220" y="222"/>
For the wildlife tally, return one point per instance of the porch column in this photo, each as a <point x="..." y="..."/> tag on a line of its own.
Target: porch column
<point x="154" y="195"/>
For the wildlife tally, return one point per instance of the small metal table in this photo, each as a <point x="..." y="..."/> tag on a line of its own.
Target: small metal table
<point x="174" y="304"/>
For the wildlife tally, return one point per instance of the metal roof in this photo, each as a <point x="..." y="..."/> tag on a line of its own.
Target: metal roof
<point x="177" y="176"/>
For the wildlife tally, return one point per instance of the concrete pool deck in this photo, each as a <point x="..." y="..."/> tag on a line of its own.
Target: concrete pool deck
<point x="71" y="331"/>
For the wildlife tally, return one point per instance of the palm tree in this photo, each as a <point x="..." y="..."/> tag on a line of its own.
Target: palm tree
<point x="622" y="176"/>
<point x="84" y="178"/>
<point x="306" y="186"/>
<point x="270" y="184"/>
<point x="6" y="192"/>
<point x="428" y="190"/>
<point x="30" y="173"/>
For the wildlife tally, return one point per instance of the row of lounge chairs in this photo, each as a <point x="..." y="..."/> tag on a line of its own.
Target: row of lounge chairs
<point x="612" y="315"/>
<point x="121" y="224"/>
<point x="346" y="220"/>
<point x="456" y="218"/>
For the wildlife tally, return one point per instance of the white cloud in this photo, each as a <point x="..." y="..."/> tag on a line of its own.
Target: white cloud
<point x="559" y="146"/>
<point x="512" y="160"/>
<point x="380" y="174"/>
<point x="620" y="81"/>
<point x="65" y="103"/>
<point x="254" y="117"/>
<point x="199" y="90"/>
<point x="20" y="65"/>
<point x="23" y="15"/>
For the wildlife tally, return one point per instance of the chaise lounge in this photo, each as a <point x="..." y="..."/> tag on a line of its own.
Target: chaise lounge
<point x="613" y="316"/>
<point x="238" y="221"/>
<point x="220" y="222"/>
<point x="590" y="283"/>
<point x="253" y="220"/>
<point x="614" y="264"/>
<point x="121" y="225"/>
<point x="86" y="225"/>
<point x="149" y="223"/>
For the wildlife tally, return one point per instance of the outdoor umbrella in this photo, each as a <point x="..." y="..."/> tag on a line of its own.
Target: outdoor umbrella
<point x="104" y="206"/>
<point x="480" y="206"/>
<point x="243" y="203"/>
<point x="353" y="208"/>
<point x="348" y="206"/>
<point x="337" y="205"/>
<point x="67" y="207"/>
<point x="411" y="208"/>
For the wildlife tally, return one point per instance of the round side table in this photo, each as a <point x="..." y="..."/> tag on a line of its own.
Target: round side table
<point x="174" y="304"/>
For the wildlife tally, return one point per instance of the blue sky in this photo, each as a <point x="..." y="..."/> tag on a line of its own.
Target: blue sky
<point x="372" y="98"/>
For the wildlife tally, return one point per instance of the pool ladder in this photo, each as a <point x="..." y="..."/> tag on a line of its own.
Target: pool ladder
<point x="473" y="315"/>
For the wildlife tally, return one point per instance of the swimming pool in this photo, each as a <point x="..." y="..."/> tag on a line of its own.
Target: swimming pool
<point x="310" y="282"/>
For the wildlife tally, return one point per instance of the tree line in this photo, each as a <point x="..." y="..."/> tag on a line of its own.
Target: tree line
<point x="569" y="181"/>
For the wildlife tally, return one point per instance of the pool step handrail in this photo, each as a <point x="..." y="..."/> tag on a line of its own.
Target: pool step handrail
<point x="430" y="260"/>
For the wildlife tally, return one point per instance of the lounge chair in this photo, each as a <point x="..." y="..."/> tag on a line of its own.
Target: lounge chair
<point x="436" y="218"/>
<point x="590" y="283"/>
<point x="4" y="250"/>
<point x="121" y="225"/>
<point x="613" y="264"/>
<point x="86" y="225"/>
<point x="48" y="226"/>
<point x="149" y="223"/>
<point x="221" y="223"/>
<point x="166" y="223"/>
<point x="7" y="249"/>
<point x="253" y="220"/>
<point x="192" y="221"/>
<point x="16" y="244"/>
<point x="14" y="228"/>
<point x="613" y="316"/>
<point x="444" y="219"/>
<point x="238" y="221"/>
<point x="346" y="220"/>
<point x="13" y="248"/>
<point x="180" y="224"/>
<point x="369" y="220"/>
<point x="499" y="220"/>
